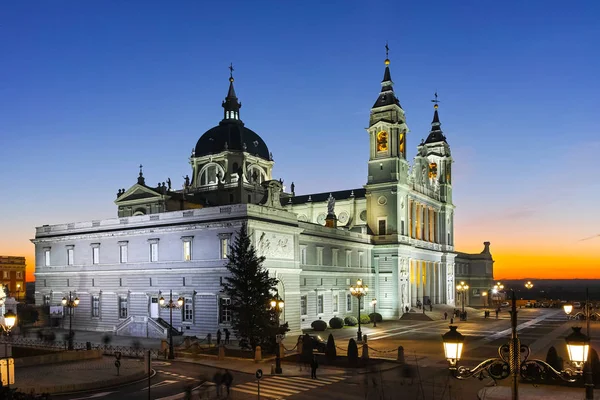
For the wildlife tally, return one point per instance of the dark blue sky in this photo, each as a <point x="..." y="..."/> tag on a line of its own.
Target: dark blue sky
<point x="91" y="89"/>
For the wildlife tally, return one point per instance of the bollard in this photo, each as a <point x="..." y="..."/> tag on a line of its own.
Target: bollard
<point x="257" y="354"/>
<point x="221" y="352"/>
<point x="365" y="351"/>
<point x="401" y="354"/>
<point x="364" y="338"/>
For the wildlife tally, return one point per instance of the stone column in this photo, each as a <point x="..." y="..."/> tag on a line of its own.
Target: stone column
<point x="412" y="273"/>
<point x="426" y="220"/>
<point x="413" y="219"/>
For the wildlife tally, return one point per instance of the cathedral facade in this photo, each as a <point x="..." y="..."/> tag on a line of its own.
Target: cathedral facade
<point x="396" y="233"/>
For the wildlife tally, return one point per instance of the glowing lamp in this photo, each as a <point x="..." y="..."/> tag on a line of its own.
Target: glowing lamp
<point x="578" y="346"/>
<point x="180" y="301"/>
<point x="281" y="303"/>
<point x="9" y="319"/>
<point x="273" y="303"/>
<point x="453" y="345"/>
<point x="568" y="308"/>
<point x="161" y="301"/>
<point x="76" y="301"/>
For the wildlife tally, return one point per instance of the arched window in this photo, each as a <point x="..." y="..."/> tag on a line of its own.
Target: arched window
<point x="139" y="211"/>
<point x="208" y="174"/>
<point x="256" y="174"/>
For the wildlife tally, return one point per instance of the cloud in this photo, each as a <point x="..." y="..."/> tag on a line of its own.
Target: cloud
<point x="588" y="238"/>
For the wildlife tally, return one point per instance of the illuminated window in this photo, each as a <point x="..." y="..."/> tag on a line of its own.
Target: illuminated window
<point x="47" y="257"/>
<point x="225" y="310"/>
<point x="70" y="255"/>
<point x="320" y="304"/>
<point x="224" y="247"/>
<point x="382" y="141"/>
<point x="187" y="248"/>
<point x="122" y="252"/>
<point x="95" y="253"/>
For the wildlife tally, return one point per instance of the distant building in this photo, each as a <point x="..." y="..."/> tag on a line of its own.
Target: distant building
<point x="396" y="233"/>
<point x="12" y="275"/>
<point x="477" y="271"/>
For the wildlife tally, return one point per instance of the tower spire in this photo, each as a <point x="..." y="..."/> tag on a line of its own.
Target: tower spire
<point x="387" y="96"/>
<point x="231" y="105"/>
<point x="436" y="134"/>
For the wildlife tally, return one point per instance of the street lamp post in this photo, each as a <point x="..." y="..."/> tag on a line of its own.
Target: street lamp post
<point x="529" y="285"/>
<point x="358" y="291"/>
<point x="277" y="305"/>
<point x="462" y="289"/>
<point x="9" y="321"/>
<point x="171" y="305"/>
<point x="71" y="303"/>
<point x="374" y="304"/>
<point x="514" y="358"/>
<point x="498" y="287"/>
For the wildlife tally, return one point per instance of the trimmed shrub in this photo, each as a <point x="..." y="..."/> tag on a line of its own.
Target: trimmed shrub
<point x="554" y="359"/>
<point x="350" y="321"/>
<point x="364" y="319"/>
<point x="106" y="339"/>
<point x="330" y="351"/>
<point x="352" y="352"/>
<point x="336" y="323"/>
<point x="375" y="317"/>
<point x="319" y="325"/>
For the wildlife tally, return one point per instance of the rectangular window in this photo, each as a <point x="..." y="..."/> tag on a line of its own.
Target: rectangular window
<point x="187" y="250"/>
<point x="6" y="274"/>
<point x="319" y="256"/>
<point x="320" y="304"/>
<point x="123" y="253"/>
<point x="47" y="257"/>
<point x="360" y="259"/>
<point x="95" y="255"/>
<point x="154" y="252"/>
<point x="303" y="305"/>
<point x="381" y="224"/>
<point x="188" y="310"/>
<point x="348" y="258"/>
<point x="225" y="310"/>
<point x="95" y="306"/>
<point x="348" y="302"/>
<point x="46" y="300"/>
<point x="335" y="303"/>
<point x="224" y="248"/>
<point x="334" y="257"/>
<point x="70" y="255"/>
<point x="123" y="307"/>
<point x="303" y="255"/>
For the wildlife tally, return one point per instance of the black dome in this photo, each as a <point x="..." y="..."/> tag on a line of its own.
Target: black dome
<point x="235" y="134"/>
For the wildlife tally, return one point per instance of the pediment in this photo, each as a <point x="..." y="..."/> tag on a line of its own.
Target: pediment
<point x="138" y="192"/>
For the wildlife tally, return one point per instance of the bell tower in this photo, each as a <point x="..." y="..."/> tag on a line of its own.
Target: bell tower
<point x="387" y="168"/>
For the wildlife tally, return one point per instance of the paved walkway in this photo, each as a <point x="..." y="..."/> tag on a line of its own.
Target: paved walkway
<point x="79" y="375"/>
<point x="530" y="392"/>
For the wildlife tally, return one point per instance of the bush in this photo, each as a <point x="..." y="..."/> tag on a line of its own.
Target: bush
<point x="352" y="352"/>
<point x="330" y="351"/>
<point x="106" y="339"/>
<point x="350" y="321"/>
<point x="554" y="360"/>
<point x="319" y="325"/>
<point x="336" y="323"/>
<point x="375" y="317"/>
<point x="364" y="319"/>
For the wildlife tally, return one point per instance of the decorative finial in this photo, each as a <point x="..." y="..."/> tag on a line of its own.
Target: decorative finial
<point x="436" y="101"/>
<point x="231" y="72"/>
<point x="387" y="51"/>
<point x="141" y="173"/>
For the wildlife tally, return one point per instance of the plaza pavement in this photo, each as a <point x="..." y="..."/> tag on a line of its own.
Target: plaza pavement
<point x="424" y="336"/>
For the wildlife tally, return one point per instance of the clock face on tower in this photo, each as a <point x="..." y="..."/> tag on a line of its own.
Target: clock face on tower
<point x="382" y="141"/>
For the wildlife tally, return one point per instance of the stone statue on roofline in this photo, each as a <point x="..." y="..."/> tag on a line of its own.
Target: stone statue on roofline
<point x="330" y="205"/>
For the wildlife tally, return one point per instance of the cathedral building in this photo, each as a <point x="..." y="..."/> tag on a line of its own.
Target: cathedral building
<point x="396" y="233"/>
